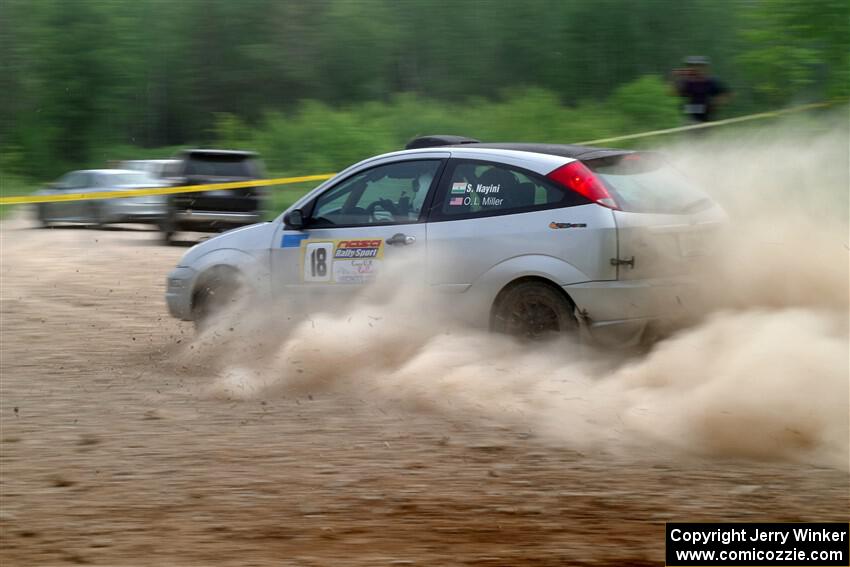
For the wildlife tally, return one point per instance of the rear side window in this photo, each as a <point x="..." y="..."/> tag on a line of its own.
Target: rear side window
<point x="73" y="180"/>
<point x="479" y="189"/>
<point x="646" y="183"/>
<point x="221" y="166"/>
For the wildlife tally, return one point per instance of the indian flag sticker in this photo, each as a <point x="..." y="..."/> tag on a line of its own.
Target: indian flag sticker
<point x="459" y="188"/>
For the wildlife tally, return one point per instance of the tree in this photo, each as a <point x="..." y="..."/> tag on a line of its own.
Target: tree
<point x="793" y="47"/>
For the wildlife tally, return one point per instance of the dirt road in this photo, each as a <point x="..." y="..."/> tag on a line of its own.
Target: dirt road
<point x="113" y="452"/>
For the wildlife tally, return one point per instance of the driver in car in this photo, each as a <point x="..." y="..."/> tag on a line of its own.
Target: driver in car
<point x="408" y="209"/>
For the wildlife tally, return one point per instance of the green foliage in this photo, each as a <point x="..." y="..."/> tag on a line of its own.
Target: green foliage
<point x="647" y="103"/>
<point x="12" y="184"/>
<point x="329" y="81"/>
<point x="316" y="137"/>
<point x="797" y="47"/>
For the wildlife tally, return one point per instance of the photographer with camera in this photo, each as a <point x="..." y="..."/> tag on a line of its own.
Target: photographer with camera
<point x="702" y="93"/>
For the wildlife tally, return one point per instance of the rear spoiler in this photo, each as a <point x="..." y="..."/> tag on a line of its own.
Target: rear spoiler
<point x="437" y="140"/>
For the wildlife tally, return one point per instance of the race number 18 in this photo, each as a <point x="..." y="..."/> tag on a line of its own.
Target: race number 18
<point x="317" y="261"/>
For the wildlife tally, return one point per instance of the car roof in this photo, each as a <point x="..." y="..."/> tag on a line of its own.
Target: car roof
<point x="561" y="150"/>
<point x="540" y="158"/>
<point x="571" y="151"/>
<point x="219" y="152"/>
<point x="110" y="171"/>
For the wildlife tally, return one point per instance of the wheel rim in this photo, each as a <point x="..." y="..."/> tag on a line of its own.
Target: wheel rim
<point x="533" y="319"/>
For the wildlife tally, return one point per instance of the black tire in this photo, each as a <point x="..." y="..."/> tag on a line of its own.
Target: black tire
<point x="217" y="291"/>
<point x="41" y="216"/>
<point x="533" y="310"/>
<point x="166" y="236"/>
<point x="167" y="228"/>
<point x="168" y="223"/>
<point x="96" y="216"/>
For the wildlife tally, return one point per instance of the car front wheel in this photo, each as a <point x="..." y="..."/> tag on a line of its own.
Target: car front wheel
<point x="215" y="294"/>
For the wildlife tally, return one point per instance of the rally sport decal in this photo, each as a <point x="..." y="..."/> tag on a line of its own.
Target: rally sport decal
<point x="341" y="261"/>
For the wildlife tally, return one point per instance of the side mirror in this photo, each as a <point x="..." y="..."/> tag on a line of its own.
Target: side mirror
<point x="294" y="219"/>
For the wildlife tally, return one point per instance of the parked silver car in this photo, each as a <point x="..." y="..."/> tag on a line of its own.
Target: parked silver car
<point x="158" y="168"/>
<point x="99" y="212"/>
<point x="532" y="238"/>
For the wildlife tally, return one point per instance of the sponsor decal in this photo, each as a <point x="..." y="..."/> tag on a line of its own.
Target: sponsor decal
<point x="292" y="240"/>
<point x="341" y="261"/>
<point x="487" y="189"/>
<point x="350" y="249"/>
<point x="557" y="225"/>
<point x="459" y="188"/>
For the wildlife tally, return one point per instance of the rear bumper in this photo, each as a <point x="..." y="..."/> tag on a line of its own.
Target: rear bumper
<point x="623" y="311"/>
<point x="212" y="221"/>
<point x="132" y="210"/>
<point x="215" y="216"/>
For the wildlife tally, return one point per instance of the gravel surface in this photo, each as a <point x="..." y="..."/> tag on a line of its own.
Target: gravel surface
<point x="112" y="452"/>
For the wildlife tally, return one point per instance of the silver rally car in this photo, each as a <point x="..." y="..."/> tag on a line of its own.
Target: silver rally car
<point x="530" y="238"/>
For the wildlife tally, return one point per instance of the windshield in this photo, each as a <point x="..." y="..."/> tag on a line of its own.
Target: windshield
<point x="220" y="166"/>
<point x="645" y="183"/>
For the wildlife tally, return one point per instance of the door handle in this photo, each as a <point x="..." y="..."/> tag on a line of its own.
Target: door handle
<point x="401" y="239"/>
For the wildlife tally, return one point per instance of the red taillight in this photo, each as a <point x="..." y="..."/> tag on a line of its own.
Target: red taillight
<point x="579" y="178"/>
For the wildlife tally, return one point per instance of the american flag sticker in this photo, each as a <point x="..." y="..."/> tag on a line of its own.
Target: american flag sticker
<point x="456" y="201"/>
<point x="459" y="188"/>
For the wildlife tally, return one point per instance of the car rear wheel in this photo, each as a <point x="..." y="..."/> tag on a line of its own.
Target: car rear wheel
<point x="216" y="292"/>
<point x="95" y="214"/>
<point x="533" y="310"/>
<point x="166" y="236"/>
<point x="167" y="230"/>
<point x="41" y="215"/>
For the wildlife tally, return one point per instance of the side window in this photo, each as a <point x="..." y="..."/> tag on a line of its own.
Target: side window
<point x="387" y="194"/>
<point x="63" y="182"/>
<point x="72" y="181"/>
<point x="483" y="189"/>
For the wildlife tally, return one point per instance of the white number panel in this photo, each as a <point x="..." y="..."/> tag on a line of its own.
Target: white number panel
<point x="355" y="261"/>
<point x="318" y="259"/>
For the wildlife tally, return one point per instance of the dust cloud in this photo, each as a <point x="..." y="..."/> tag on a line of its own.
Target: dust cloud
<point x="762" y="373"/>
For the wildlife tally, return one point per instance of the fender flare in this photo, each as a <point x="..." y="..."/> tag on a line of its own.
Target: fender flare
<point x="487" y="287"/>
<point x="250" y="267"/>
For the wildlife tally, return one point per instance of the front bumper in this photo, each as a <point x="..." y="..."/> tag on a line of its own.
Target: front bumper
<point x="178" y="292"/>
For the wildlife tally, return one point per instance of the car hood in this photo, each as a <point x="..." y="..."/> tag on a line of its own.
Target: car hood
<point x="254" y="239"/>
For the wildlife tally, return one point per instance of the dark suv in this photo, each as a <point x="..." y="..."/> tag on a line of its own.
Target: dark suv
<point x="219" y="210"/>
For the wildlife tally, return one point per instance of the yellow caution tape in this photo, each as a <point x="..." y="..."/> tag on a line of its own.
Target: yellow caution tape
<point x="27" y="199"/>
<point x="771" y="114"/>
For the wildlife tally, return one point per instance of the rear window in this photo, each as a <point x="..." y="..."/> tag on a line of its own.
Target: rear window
<point x="646" y="183"/>
<point x="221" y="166"/>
